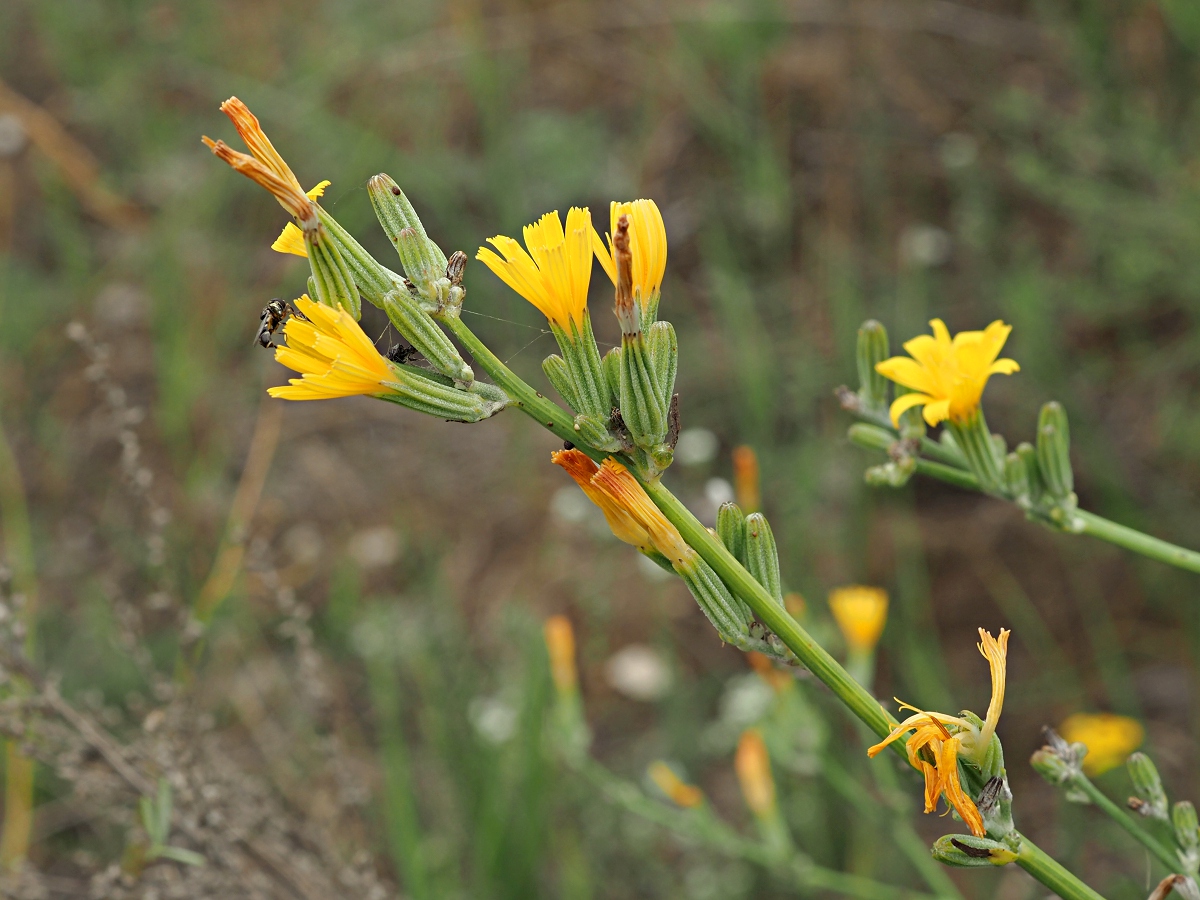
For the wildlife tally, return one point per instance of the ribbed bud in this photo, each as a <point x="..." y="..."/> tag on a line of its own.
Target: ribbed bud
<point x="592" y="394"/>
<point x="1016" y="479"/>
<point x="968" y="851"/>
<point x="428" y="394"/>
<point x="374" y="280"/>
<point x="419" y="329"/>
<point x="611" y="364"/>
<point x="332" y="281"/>
<point x="593" y="432"/>
<point x="1053" y="451"/>
<point x="642" y="406"/>
<point x="728" y="615"/>
<point x="1187" y="828"/>
<point x="664" y="358"/>
<point x="423" y="261"/>
<point x="1151" y="800"/>
<point x="555" y="368"/>
<point x="873" y="348"/>
<point x="1028" y="454"/>
<point x="762" y="557"/>
<point x="731" y="529"/>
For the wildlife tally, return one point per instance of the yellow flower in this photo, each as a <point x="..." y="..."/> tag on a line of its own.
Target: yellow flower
<point x="630" y="513"/>
<point x="332" y="354"/>
<point x="291" y="239"/>
<point x="555" y="273"/>
<point x="681" y="793"/>
<point x="1109" y="738"/>
<point x="947" y="375"/>
<point x="647" y="245"/>
<point x="560" y="646"/>
<point x="861" y="613"/>
<point x="265" y="166"/>
<point x="753" y="767"/>
<point x="945" y="737"/>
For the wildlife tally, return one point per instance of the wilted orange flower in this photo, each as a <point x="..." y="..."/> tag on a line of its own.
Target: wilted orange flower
<point x="681" y="793"/>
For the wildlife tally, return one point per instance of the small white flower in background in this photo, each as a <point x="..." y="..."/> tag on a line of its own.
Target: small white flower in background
<point x="639" y="672"/>
<point x="568" y="504"/>
<point x="746" y="700"/>
<point x="303" y="543"/>
<point x="374" y="548"/>
<point x="924" y="246"/>
<point x="494" y="719"/>
<point x="718" y="491"/>
<point x="696" y="446"/>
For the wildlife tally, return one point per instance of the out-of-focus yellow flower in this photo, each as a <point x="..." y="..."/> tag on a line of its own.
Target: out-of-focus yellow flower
<point x="948" y="375"/>
<point x="264" y="166"/>
<point x="947" y="737"/>
<point x="333" y="355"/>
<point x="1109" y="738"/>
<point x="746" y="484"/>
<point x="560" y="647"/>
<point x="647" y="246"/>
<point x="630" y="513"/>
<point x="778" y="679"/>
<point x="291" y="239"/>
<point x="753" y="767"/>
<point x="861" y="613"/>
<point x="555" y="272"/>
<point x="681" y="793"/>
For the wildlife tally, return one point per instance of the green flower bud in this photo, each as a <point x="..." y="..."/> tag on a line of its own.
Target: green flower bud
<point x="373" y="279"/>
<point x="420" y="330"/>
<point x="435" y="396"/>
<point x="762" y="557"/>
<point x="873" y="348"/>
<point x="968" y="851"/>
<point x="642" y="406"/>
<point x="1028" y="455"/>
<point x="731" y="529"/>
<point x="979" y="450"/>
<point x="1016" y="479"/>
<point x="593" y="431"/>
<point x="729" y="615"/>
<point x="664" y="354"/>
<point x="1187" y="828"/>
<point x="611" y="363"/>
<point x="332" y="281"/>
<point x="591" y="391"/>
<point x="1151" y="800"/>
<point x="1053" y="451"/>
<point x="423" y="261"/>
<point x="555" y="368"/>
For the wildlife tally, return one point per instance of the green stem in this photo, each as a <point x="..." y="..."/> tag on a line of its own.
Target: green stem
<point x="1037" y="863"/>
<point x="1138" y="542"/>
<point x="875" y="438"/>
<point x="741" y="582"/>
<point x="1122" y="818"/>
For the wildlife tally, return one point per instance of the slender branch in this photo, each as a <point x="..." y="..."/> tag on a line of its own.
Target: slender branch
<point x="1166" y="856"/>
<point x="741" y="582"/>
<point x="874" y="437"/>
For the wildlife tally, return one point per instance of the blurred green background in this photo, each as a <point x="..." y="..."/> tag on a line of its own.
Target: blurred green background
<point x="373" y="686"/>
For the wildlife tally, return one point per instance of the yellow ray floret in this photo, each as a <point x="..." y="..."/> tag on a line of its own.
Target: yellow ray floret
<point x="263" y="164"/>
<point x="630" y="513"/>
<point x="938" y="739"/>
<point x="948" y="375"/>
<point x="291" y="239"/>
<point x="554" y="272"/>
<point x="861" y="613"/>
<point x="1109" y="738"/>
<point x="333" y="355"/>
<point x="648" y="245"/>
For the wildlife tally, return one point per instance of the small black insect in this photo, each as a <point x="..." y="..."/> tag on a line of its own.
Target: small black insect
<point x="398" y="353"/>
<point x="567" y="445"/>
<point x="272" y="316"/>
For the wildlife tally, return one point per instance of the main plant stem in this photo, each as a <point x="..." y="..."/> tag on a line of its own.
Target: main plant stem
<point x="875" y="438"/>
<point x="551" y="416"/>
<point x="1165" y="856"/>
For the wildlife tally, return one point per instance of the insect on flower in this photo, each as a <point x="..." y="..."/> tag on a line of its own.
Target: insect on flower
<point x="273" y="315"/>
